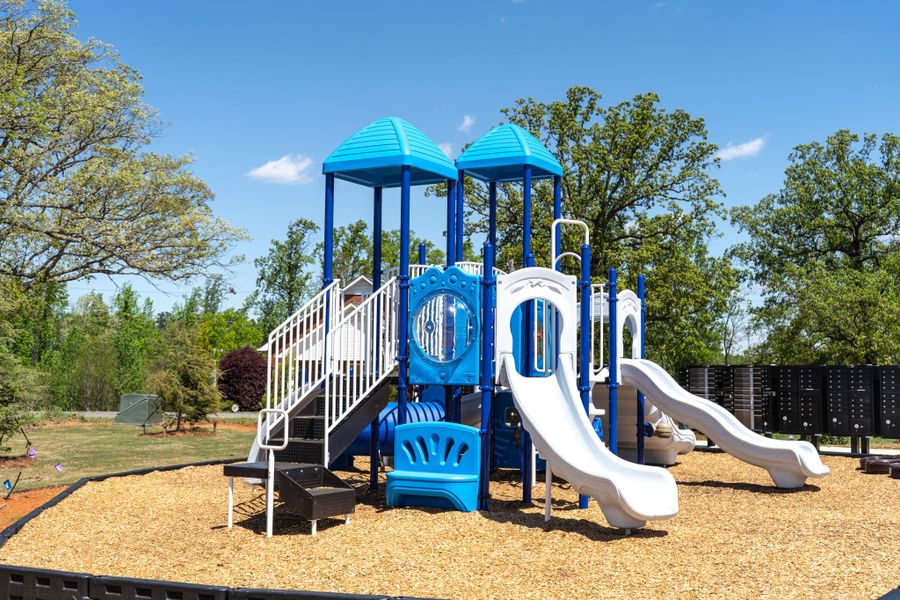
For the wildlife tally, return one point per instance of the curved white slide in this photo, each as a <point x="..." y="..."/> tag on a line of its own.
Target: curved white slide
<point x="628" y="494"/>
<point x="789" y="463"/>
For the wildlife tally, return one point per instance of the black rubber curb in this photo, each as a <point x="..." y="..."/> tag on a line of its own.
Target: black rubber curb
<point x="41" y="583"/>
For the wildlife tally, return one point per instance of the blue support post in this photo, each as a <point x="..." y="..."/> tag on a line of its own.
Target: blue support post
<point x="376" y="283"/>
<point x="451" y="222"/>
<point x="487" y="386"/>
<point x="641" y="429"/>
<point x="613" y="365"/>
<point x="460" y="215"/>
<point x="328" y="265"/>
<point x="403" y="316"/>
<point x="527" y="355"/>
<point x="492" y="213"/>
<point x="557" y="211"/>
<point x="584" y="344"/>
<point x="423" y="256"/>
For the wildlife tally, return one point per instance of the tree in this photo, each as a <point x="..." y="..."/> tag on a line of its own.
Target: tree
<point x="243" y="378"/>
<point x="186" y="384"/>
<point x="824" y="250"/>
<point x="19" y="385"/>
<point x="352" y="251"/>
<point x="134" y="338"/>
<point x="79" y="195"/>
<point x="285" y="278"/>
<point x="640" y="177"/>
<point x="226" y="331"/>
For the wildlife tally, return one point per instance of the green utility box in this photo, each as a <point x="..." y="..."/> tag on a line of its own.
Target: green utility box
<point x="139" y="409"/>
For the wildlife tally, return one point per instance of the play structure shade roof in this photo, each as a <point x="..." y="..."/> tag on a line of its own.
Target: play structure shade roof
<point x="373" y="156"/>
<point x="500" y="154"/>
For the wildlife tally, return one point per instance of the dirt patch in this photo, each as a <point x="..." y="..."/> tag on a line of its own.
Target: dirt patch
<point x="20" y="504"/>
<point x="735" y="537"/>
<point x="199" y="432"/>
<point x="16" y="462"/>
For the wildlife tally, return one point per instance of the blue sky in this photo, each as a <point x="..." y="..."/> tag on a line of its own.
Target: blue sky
<point x="240" y="84"/>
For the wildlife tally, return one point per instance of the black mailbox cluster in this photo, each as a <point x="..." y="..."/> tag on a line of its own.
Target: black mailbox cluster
<point x="856" y="401"/>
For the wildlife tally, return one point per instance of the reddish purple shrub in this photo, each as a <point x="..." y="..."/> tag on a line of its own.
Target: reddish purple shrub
<point x="242" y="378"/>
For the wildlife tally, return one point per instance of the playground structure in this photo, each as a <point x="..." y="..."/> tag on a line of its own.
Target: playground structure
<point x="435" y="330"/>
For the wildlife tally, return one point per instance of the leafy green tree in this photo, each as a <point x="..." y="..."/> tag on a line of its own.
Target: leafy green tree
<point x="222" y="332"/>
<point x="390" y="249"/>
<point x="285" y="276"/>
<point x="824" y="250"/>
<point x="135" y="338"/>
<point x="20" y="385"/>
<point x="640" y="177"/>
<point x="187" y="382"/>
<point x="352" y="251"/>
<point x="79" y="195"/>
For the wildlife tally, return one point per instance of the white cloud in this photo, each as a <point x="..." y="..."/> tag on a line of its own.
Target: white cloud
<point x="743" y="150"/>
<point x="446" y="148"/>
<point x="290" y="168"/>
<point x="466" y="124"/>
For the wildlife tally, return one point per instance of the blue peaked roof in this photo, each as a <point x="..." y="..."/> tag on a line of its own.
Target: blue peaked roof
<point x="500" y="154"/>
<point x="373" y="156"/>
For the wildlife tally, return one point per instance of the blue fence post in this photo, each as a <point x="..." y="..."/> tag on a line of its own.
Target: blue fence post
<point x="527" y="355"/>
<point x="487" y="361"/>
<point x="640" y="395"/>
<point x="423" y="256"/>
<point x="613" y="365"/>
<point x="584" y="348"/>
<point x="403" y="316"/>
<point x="451" y="222"/>
<point x="376" y="284"/>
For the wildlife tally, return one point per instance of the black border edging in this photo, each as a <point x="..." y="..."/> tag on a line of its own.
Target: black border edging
<point x="98" y="582"/>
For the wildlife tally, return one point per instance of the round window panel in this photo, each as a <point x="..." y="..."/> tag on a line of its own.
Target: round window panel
<point x="444" y="327"/>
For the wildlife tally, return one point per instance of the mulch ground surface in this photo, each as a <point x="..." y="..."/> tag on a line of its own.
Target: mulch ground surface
<point x="735" y="537"/>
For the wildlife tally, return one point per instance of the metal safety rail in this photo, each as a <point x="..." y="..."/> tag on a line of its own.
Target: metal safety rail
<point x="599" y="316"/>
<point x="363" y="352"/>
<point x="296" y="357"/>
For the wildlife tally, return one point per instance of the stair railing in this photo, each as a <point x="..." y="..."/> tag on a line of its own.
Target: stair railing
<point x="362" y="353"/>
<point x="297" y="362"/>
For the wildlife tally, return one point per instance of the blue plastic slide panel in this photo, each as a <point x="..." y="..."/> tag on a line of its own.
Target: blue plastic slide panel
<point x="435" y="465"/>
<point x="444" y="327"/>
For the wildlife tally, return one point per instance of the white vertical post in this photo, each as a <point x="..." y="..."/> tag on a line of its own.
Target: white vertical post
<point x="270" y="493"/>
<point x="548" y="480"/>
<point x="230" y="502"/>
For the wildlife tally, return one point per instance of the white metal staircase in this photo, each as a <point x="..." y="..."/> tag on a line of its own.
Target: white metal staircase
<point x="326" y="364"/>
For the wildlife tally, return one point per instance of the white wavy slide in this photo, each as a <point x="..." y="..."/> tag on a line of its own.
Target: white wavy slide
<point x="789" y="463"/>
<point x="628" y="494"/>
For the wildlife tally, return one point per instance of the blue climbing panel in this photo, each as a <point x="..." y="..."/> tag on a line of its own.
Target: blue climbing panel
<point x="444" y="327"/>
<point x="435" y="464"/>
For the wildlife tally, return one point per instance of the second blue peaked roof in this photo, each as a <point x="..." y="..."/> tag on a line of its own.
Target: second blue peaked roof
<point x="373" y="156"/>
<point x="500" y="154"/>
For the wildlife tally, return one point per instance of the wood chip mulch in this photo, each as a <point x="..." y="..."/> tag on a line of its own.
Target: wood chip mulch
<point x="735" y="537"/>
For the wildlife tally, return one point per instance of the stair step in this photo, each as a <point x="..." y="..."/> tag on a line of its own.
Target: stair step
<point x="305" y="440"/>
<point x="326" y="491"/>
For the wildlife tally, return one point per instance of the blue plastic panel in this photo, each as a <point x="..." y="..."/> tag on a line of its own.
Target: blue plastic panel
<point x="435" y="464"/>
<point x="444" y="327"/>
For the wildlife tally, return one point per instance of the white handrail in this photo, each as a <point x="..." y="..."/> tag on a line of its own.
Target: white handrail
<point x="582" y="224"/>
<point x="263" y="443"/>
<point x="296" y="354"/>
<point x="362" y="353"/>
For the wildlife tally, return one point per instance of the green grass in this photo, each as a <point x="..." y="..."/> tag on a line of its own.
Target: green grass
<point x="94" y="448"/>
